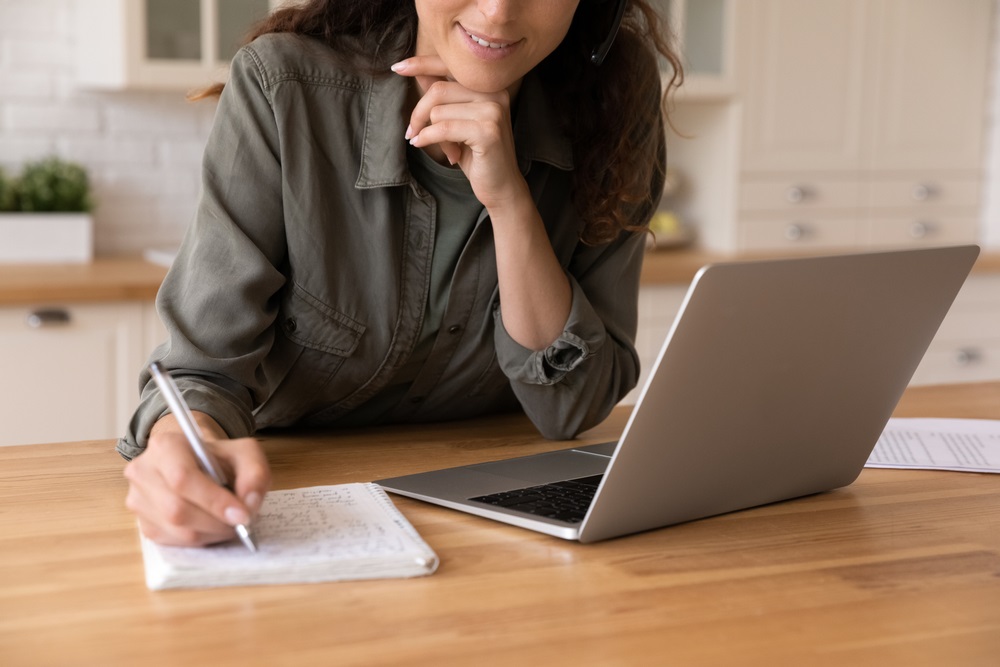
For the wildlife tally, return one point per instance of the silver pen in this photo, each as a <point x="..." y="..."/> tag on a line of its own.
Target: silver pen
<point x="181" y="411"/>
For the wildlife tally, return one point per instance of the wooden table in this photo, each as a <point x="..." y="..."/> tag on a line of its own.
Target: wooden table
<point x="900" y="568"/>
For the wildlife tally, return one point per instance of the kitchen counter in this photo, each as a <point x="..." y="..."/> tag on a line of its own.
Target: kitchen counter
<point x="679" y="266"/>
<point x="118" y="279"/>
<point x="103" y="280"/>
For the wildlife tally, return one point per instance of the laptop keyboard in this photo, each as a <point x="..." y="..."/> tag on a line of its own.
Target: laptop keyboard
<point x="563" y="501"/>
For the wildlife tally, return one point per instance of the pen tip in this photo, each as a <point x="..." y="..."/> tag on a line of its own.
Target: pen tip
<point x="244" y="534"/>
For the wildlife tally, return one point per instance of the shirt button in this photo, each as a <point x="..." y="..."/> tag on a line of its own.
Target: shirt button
<point x="291" y="325"/>
<point x="454" y="329"/>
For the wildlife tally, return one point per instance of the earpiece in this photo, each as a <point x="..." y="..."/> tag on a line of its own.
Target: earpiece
<point x="601" y="52"/>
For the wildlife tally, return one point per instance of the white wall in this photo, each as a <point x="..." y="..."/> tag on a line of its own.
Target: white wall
<point x="144" y="149"/>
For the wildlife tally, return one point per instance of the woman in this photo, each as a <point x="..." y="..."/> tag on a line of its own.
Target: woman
<point x="412" y="210"/>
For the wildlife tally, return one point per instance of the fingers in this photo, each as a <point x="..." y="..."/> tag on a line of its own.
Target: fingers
<point x="177" y="503"/>
<point x="446" y="100"/>
<point x="428" y="66"/>
<point x="250" y="471"/>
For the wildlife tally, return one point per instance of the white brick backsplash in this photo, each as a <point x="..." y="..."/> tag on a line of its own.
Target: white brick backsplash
<point x="156" y="113"/>
<point x="27" y="53"/>
<point x="32" y="85"/>
<point x="26" y="18"/>
<point x="14" y="151"/>
<point x="165" y="184"/>
<point x="92" y="150"/>
<point x="182" y="153"/>
<point x="65" y="117"/>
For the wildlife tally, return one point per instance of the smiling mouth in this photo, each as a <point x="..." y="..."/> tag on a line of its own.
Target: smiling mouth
<point x="483" y="42"/>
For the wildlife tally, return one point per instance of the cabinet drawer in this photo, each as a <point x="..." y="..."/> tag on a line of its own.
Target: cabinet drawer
<point x="957" y="361"/>
<point x="801" y="194"/>
<point x="964" y="323"/>
<point x="71" y="371"/>
<point x="800" y="233"/>
<point x="980" y="291"/>
<point x="908" y="231"/>
<point x="917" y="193"/>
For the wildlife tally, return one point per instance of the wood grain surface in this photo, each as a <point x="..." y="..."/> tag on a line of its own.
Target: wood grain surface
<point x="900" y="568"/>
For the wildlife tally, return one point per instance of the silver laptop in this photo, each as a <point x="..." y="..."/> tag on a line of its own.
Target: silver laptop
<point x="774" y="382"/>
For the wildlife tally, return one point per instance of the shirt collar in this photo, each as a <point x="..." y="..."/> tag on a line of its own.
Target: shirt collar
<point x="537" y="134"/>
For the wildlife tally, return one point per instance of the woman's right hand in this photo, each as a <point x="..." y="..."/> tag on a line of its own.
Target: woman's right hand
<point x="177" y="503"/>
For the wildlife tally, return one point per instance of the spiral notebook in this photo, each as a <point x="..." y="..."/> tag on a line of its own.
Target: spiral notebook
<point x="311" y="534"/>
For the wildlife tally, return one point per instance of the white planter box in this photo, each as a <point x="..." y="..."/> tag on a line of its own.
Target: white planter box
<point x="46" y="237"/>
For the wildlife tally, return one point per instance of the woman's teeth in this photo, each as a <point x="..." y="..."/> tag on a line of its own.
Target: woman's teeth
<point x="483" y="42"/>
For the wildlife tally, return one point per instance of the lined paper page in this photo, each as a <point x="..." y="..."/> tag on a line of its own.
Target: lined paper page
<point x="322" y="533"/>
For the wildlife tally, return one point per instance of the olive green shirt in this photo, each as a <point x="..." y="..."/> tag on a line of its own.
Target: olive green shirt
<point x="300" y="290"/>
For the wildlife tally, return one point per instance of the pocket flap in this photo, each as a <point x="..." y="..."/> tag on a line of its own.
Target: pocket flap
<point x="311" y="323"/>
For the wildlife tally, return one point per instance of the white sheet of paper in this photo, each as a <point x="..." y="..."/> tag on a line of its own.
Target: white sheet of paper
<point x="965" y="445"/>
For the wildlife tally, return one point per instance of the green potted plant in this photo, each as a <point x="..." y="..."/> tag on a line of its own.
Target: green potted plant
<point x="45" y="213"/>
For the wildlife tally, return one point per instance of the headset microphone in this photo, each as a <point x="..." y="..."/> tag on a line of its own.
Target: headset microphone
<point x="601" y="52"/>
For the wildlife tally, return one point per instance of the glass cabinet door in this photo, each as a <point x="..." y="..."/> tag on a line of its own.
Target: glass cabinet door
<point x="197" y="30"/>
<point x="703" y="33"/>
<point x="173" y="30"/>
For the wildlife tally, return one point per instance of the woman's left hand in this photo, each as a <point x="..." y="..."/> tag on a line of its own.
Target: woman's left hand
<point x="473" y="130"/>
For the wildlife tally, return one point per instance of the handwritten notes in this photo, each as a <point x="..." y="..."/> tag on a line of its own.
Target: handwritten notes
<point x="966" y="445"/>
<point x="321" y="533"/>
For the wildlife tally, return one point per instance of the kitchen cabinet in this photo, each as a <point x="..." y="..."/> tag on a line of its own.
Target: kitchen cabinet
<point x="859" y="124"/>
<point x="73" y="338"/>
<point x="160" y="44"/>
<point x="703" y="31"/>
<point x="967" y="346"/>
<point x="70" y="371"/>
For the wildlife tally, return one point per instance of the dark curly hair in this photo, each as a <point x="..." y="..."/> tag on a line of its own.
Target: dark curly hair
<point x="604" y="109"/>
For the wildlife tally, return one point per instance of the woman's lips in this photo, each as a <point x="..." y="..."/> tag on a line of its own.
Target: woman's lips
<point x="488" y="47"/>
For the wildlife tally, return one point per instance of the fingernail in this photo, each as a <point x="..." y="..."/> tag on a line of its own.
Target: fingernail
<point x="409" y="132"/>
<point x="397" y="67"/>
<point x="252" y="501"/>
<point x="236" y="516"/>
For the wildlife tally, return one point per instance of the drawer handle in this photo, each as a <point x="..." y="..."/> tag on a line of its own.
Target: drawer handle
<point x="968" y="356"/>
<point x="797" y="194"/>
<point x="797" y="231"/>
<point x="48" y="317"/>
<point x="923" y="192"/>
<point x="921" y="230"/>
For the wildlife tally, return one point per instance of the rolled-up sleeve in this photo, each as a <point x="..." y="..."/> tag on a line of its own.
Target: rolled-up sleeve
<point x="581" y="338"/>
<point x="575" y="382"/>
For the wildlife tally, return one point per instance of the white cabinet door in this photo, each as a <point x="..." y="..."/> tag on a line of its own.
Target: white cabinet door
<point x="69" y="373"/>
<point x="872" y="111"/>
<point x="802" y="81"/>
<point x="929" y="83"/>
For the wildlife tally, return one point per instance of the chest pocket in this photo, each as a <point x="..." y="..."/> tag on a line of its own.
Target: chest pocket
<point x="307" y="321"/>
<point x="315" y="341"/>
